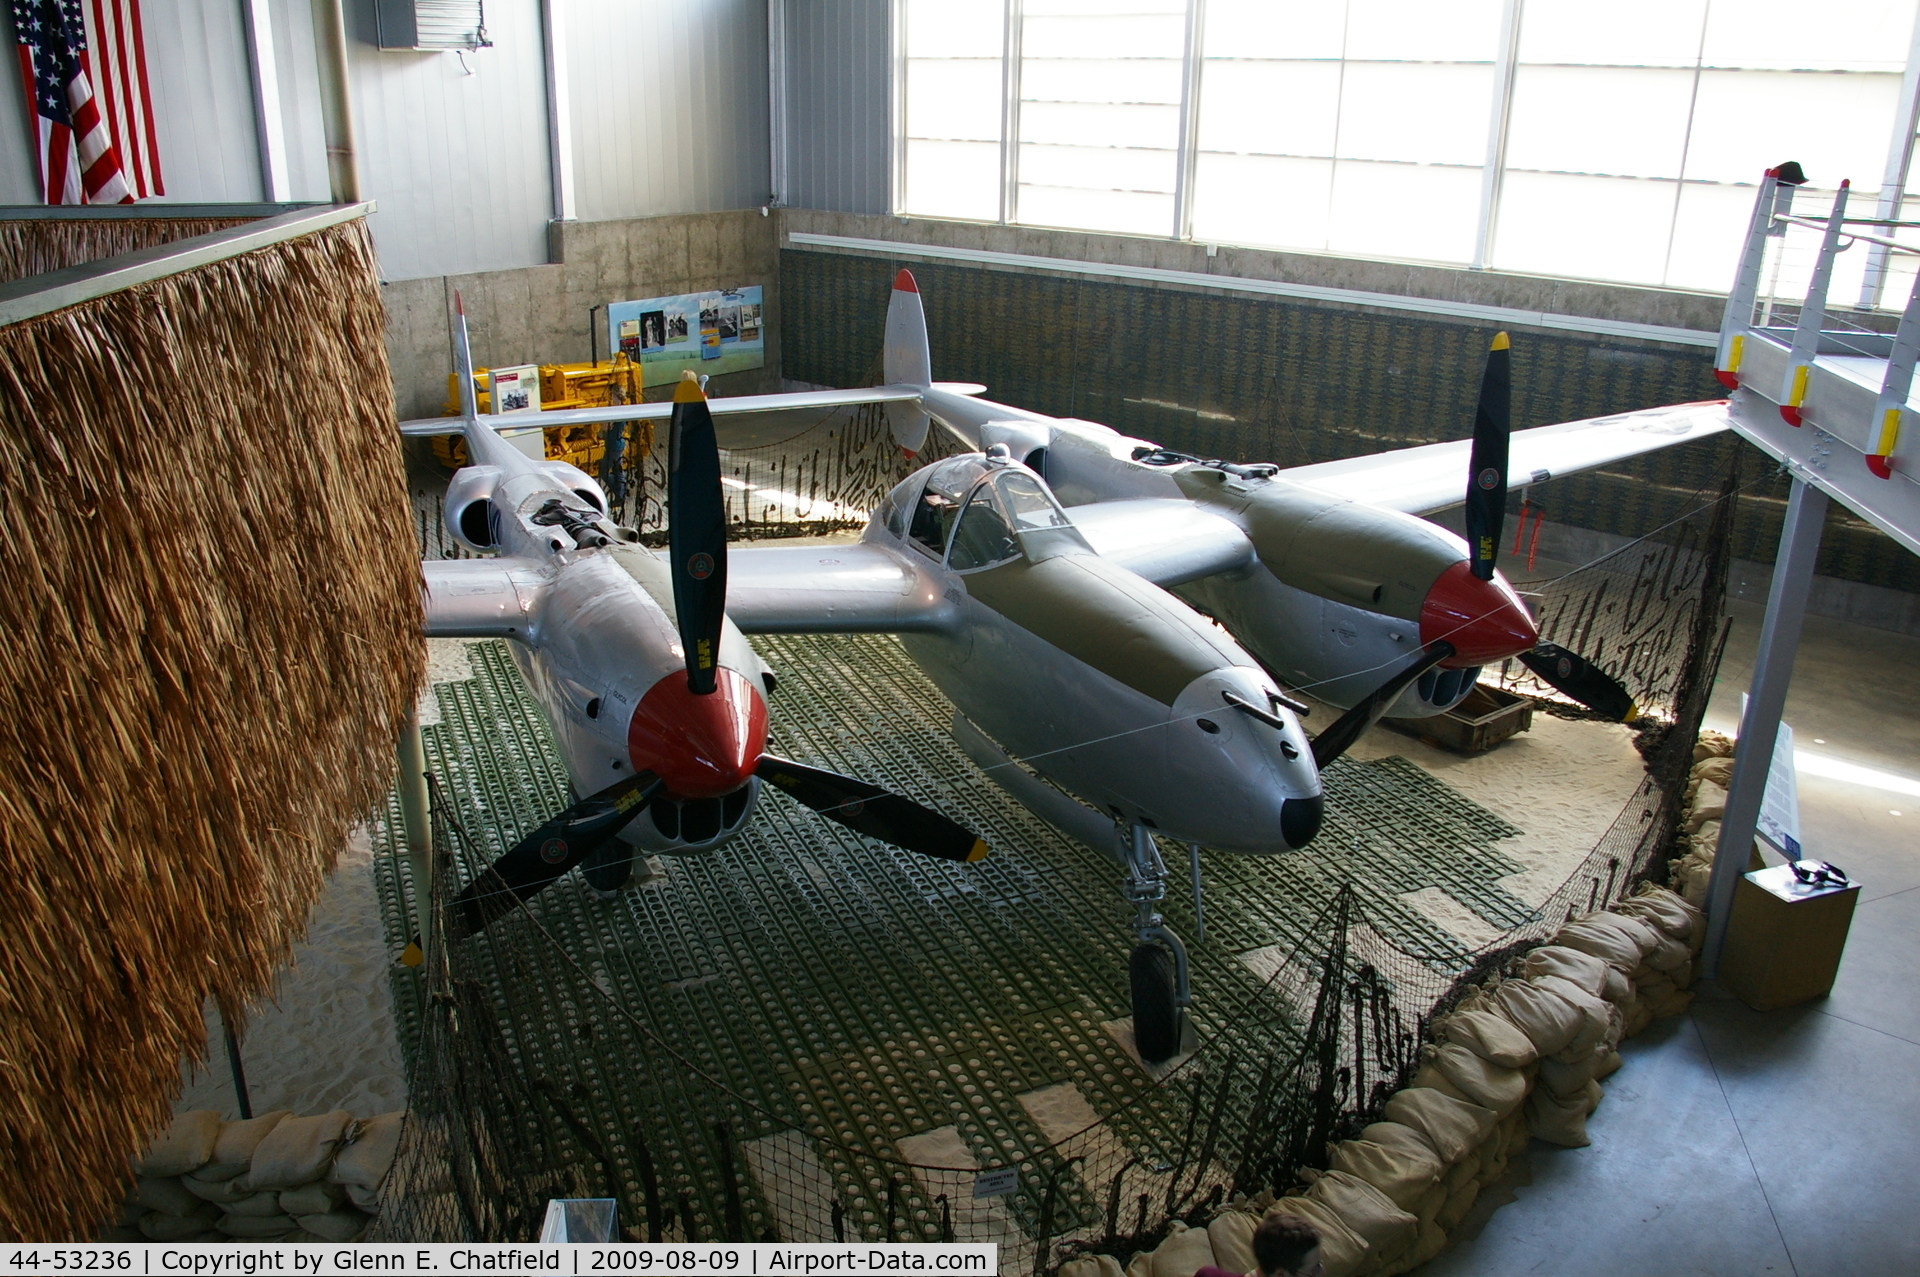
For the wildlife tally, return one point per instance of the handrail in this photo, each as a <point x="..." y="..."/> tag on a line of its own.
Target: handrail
<point x="70" y="286"/>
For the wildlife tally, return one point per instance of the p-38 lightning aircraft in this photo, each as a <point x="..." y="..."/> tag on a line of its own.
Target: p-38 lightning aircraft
<point x="1053" y="629"/>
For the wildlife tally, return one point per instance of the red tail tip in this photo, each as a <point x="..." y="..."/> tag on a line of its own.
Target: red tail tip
<point x="903" y="282"/>
<point x="459" y="306"/>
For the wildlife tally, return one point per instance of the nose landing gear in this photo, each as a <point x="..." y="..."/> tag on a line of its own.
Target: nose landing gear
<point x="1160" y="982"/>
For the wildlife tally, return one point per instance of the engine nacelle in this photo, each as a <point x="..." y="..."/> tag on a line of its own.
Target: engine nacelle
<point x="469" y="511"/>
<point x="576" y="481"/>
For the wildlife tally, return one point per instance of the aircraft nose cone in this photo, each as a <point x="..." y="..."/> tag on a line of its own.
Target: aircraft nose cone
<point x="701" y="746"/>
<point x="1484" y="620"/>
<point x="1300" y="820"/>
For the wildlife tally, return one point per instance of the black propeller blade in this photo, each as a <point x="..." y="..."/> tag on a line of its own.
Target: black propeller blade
<point x="1582" y="680"/>
<point x="548" y="852"/>
<point x="696" y="532"/>
<point x="1352" y="725"/>
<point x="872" y="811"/>
<point x="1487" y="470"/>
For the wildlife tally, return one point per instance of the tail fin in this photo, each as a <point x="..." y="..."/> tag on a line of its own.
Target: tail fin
<point x="906" y="361"/>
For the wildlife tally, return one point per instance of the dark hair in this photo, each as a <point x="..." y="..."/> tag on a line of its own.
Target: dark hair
<point x="1282" y="1243"/>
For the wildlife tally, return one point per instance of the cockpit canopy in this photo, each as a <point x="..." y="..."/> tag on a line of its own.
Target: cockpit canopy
<point x="974" y="512"/>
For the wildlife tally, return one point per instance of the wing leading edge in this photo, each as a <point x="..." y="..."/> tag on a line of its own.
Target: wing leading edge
<point x="1434" y="476"/>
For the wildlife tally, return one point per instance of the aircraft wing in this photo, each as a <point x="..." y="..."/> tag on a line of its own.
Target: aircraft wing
<point x="834" y="589"/>
<point x="1434" y="476"/>
<point x="661" y="411"/>
<point x="1167" y="540"/>
<point x="481" y="598"/>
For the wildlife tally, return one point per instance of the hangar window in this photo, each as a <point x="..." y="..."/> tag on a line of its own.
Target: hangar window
<point x="1611" y="142"/>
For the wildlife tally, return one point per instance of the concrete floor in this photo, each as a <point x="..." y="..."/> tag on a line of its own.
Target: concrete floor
<point x="1736" y="1142"/>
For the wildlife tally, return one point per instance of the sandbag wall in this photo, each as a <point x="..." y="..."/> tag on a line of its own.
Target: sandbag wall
<point x="275" y="1177"/>
<point x="1521" y="1056"/>
<point x="204" y="531"/>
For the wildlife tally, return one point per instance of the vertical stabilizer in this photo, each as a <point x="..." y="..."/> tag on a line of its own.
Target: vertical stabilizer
<point x="906" y="361"/>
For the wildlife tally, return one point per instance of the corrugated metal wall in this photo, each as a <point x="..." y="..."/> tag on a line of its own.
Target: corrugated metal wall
<point x="456" y="156"/>
<point x="202" y="100"/>
<point x="838" y="67"/>
<point x="668" y="105"/>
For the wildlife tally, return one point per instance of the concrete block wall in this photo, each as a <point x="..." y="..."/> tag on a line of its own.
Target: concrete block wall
<point x="539" y="314"/>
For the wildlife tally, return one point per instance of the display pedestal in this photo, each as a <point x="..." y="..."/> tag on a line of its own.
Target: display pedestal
<point x="1784" y="938"/>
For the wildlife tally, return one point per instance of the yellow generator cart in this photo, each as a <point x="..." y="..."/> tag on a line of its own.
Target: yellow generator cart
<point x="598" y="385"/>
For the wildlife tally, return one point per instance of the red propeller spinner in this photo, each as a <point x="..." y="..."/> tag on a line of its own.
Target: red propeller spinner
<point x="700" y="746"/>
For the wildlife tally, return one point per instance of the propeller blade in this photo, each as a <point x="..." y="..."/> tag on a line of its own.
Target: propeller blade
<point x="696" y="532"/>
<point x="547" y="852"/>
<point x="1582" y="680"/>
<point x="873" y="811"/>
<point x="1352" y="725"/>
<point x="1487" y="469"/>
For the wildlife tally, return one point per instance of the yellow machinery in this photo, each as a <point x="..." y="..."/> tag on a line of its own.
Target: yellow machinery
<point x="597" y="385"/>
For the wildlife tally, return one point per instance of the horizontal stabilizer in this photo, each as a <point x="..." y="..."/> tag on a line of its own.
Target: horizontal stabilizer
<point x="514" y="423"/>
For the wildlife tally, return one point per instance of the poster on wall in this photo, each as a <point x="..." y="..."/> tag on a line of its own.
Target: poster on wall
<point x="711" y="332"/>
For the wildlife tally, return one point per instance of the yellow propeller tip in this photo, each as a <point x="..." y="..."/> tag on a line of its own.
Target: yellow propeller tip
<point x="412" y="956"/>
<point x="688" y="390"/>
<point x="978" y="851"/>
<point x="1633" y="712"/>
<point x="1500" y="342"/>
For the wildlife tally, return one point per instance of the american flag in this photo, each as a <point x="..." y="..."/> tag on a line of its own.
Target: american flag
<point x="93" y="114"/>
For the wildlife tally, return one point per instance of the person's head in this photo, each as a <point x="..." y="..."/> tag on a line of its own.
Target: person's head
<point x="1286" y="1246"/>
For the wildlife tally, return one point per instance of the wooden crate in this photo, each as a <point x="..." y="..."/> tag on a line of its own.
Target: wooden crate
<point x="1484" y="717"/>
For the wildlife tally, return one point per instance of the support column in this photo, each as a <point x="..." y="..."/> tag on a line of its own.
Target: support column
<point x="416" y="822"/>
<point x="1766" y="699"/>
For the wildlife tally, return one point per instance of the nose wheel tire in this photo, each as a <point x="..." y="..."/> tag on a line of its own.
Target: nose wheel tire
<point x="610" y="868"/>
<point x="1159" y="1021"/>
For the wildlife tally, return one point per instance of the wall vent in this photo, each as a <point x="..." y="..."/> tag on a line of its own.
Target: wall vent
<point x="431" y="24"/>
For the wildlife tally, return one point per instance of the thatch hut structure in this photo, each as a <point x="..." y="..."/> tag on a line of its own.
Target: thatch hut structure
<point x="204" y="537"/>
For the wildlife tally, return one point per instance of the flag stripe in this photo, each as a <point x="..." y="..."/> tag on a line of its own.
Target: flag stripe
<point x="98" y="38"/>
<point x="152" y="151"/>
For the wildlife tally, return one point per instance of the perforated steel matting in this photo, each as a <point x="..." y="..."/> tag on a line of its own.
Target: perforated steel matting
<point x="851" y="992"/>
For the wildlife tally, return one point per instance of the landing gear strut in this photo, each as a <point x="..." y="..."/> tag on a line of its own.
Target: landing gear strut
<point x="1162" y="990"/>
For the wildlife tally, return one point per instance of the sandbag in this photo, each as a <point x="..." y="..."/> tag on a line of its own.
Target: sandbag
<point x="1401" y="1173"/>
<point x="1493" y="1038"/>
<point x="1489" y="1085"/>
<point x="186" y="1145"/>
<point x="1674" y="1003"/>
<point x="1370" y="1213"/>
<point x="1184" y="1252"/>
<point x="1558" y="1120"/>
<point x="1716" y="770"/>
<point x="1453" y="1127"/>
<point x="1639" y="930"/>
<point x="1342" y="1252"/>
<point x="1434" y="1079"/>
<point x="1431" y="1241"/>
<point x="345" y="1224"/>
<point x="1608" y="943"/>
<point x="1618" y="988"/>
<point x="1394" y="1135"/>
<point x="1575" y="966"/>
<point x="1595" y="1021"/>
<point x="259" y="1205"/>
<point x="366" y="1159"/>
<point x="1458" y="1204"/>
<point x="1682" y="975"/>
<point x="1668" y="954"/>
<point x="297" y="1151"/>
<point x="1231" y="1235"/>
<point x="316" y="1198"/>
<point x="1666" y="912"/>
<point x="1548" y="1020"/>
<point x="1141" y="1265"/>
<point x="253" y="1227"/>
<point x="1569" y="1080"/>
<point x="233" y="1151"/>
<point x="1638" y="1016"/>
<point x="217" y="1191"/>
<point x="162" y="1227"/>
<point x="1712" y="744"/>
<point x="164" y="1194"/>
<point x="367" y="1199"/>
<point x="301" y="1237"/>
<point x="1709" y="803"/>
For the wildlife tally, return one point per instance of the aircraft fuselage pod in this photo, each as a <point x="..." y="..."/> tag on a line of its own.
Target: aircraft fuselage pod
<point x="1328" y="592"/>
<point x="596" y="641"/>
<point x="1099" y="680"/>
